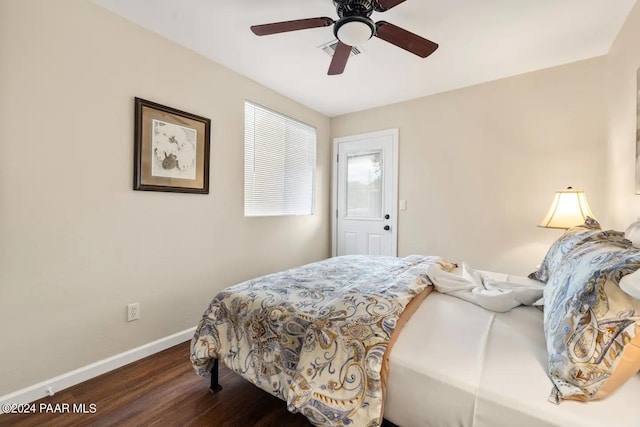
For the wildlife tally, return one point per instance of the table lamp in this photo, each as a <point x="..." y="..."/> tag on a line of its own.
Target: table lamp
<point x="568" y="209"/>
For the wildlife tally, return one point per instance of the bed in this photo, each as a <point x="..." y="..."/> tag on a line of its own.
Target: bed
<point x="487" y="370"/>
<point x="350" y="339"/>
<point x="315" y="336"/>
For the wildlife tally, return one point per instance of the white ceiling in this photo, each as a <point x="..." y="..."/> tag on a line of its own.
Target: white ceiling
<point x="480" y="41"/>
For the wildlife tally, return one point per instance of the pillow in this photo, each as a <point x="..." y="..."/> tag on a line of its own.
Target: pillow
<point x="560" y="247"/>
<point x="592" y="327"/>
<point x="633" y="233"/>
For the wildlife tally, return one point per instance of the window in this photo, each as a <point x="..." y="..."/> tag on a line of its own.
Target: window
<point x="279" y="164"/>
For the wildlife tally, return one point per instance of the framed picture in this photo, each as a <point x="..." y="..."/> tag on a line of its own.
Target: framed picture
<point x="638" y="131"/>
<point x="171" y="149"/>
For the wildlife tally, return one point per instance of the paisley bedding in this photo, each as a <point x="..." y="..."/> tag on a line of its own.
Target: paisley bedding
<point x="315" y="336"/>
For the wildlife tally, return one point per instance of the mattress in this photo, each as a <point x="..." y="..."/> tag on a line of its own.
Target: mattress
<point x="457" y="364"/>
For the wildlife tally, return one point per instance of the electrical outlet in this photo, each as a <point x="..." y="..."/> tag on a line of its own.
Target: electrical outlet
<point x="133" y="311"/>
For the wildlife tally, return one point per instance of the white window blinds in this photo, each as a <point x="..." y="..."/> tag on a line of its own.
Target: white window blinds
<point x="279" y="164"/>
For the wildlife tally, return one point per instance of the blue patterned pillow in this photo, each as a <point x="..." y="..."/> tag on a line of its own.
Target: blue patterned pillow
<point x="570" y="239"/>
<point x="590" y="322"/>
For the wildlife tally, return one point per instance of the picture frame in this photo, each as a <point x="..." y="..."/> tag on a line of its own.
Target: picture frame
<point x="638" y="131"/>
<point x="171" y="149"/>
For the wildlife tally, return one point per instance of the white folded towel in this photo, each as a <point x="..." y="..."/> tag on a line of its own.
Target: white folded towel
<point x="480" y="289"/>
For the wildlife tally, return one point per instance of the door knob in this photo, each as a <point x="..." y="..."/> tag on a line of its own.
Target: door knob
<point x="387" y="216"/>
<point x="387" y="228"/>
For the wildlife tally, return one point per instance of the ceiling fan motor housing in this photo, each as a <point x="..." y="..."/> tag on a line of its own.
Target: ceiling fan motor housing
<point x="355" y="25"/>
<point x="354" y="7"/>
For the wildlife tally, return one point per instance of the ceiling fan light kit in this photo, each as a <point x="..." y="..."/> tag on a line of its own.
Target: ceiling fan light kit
<point x="354" y="28"/>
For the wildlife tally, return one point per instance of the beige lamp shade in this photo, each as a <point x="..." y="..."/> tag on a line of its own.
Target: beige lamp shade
<point x="569" y="208"/>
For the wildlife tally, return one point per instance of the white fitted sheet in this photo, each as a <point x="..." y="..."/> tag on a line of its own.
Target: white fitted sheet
<point x="457" y="364"/>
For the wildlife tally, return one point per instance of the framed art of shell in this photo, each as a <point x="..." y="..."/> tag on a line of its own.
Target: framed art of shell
<point x="171" y="149"/>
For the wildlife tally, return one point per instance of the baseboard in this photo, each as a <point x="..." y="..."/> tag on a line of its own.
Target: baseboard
<point x="54" y="385"/>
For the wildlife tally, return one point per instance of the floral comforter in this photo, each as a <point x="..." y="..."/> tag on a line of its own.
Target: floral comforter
<point x="314" y="336"/>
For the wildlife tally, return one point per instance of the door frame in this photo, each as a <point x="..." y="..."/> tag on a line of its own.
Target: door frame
<point x="394" y="134"/>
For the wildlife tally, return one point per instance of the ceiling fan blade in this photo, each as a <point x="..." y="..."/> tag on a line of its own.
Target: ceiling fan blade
<point x="340" y="58"/>
<point x="405" y="39"/>
<point x="283" y="27"/>
<point x="384" y="5"/>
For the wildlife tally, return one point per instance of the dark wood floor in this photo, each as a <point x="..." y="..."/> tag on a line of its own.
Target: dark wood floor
<point x="163" y="390"/>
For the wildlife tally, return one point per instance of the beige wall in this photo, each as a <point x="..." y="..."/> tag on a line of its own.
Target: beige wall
<point x="76" y="243"/>
<point x="622" y="63"/>
<point x="479" y="165"/>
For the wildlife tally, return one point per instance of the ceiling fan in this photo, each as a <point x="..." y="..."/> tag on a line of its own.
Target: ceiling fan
<point x="354" y="28"/>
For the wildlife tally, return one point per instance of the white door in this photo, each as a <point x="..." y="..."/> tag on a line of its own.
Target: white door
<point x="365" y="194"/>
